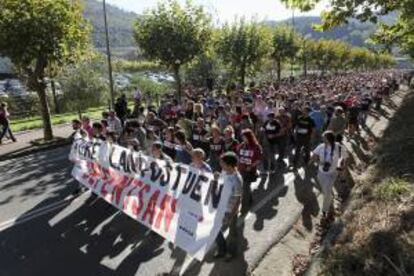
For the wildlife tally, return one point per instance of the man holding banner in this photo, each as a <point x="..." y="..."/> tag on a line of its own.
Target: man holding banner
<point x="232" y="179"/>
<point x="183" y="204"/>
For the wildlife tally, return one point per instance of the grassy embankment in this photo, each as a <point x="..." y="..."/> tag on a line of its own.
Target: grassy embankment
<point x="378" y="238"/>
<point x="36" y="121"/>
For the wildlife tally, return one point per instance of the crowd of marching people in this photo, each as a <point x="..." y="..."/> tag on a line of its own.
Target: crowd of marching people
<point x="249" y="134"/>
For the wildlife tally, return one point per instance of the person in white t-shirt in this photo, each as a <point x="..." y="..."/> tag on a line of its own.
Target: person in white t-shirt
<point x="331" y="157"/>
<point x="232" y="178"/>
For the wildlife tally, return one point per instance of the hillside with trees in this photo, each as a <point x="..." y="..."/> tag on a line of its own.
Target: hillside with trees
<point x="354" y="33"/>
<point x="121" y="26"/>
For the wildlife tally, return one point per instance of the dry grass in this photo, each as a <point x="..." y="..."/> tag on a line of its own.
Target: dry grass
<point x="379" y="235"/>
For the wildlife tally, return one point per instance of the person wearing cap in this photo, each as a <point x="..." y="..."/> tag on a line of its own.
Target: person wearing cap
<point x="231" y="178"/>
<point x="304" y="130"/>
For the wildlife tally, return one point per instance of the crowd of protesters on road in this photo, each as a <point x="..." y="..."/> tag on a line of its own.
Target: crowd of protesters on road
<point x="246" y="134"/>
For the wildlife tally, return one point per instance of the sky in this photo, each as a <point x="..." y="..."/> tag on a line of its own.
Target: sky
<point x="227" y="10"/>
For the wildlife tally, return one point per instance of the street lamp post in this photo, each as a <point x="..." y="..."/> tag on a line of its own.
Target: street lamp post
<point x="305" y="58"/>
<point x="108" y="54"/>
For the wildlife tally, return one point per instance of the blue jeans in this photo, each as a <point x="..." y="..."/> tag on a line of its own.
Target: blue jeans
<point x="7" y="129"/>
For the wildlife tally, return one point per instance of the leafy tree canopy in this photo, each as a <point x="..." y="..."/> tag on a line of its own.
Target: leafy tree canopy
<point x="243" y="45"/>
<point x="51" y="29"/>
<point x="173" y="34"/>
<point x="401" y="32"/>
<point x="37" y="33"/>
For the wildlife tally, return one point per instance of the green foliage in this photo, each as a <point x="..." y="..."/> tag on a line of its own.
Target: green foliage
<point x="332" y="55"/>
<point x="151" y="90"/>
<point x="393" y="189"/>
<point x="83" y="87"/>
<point x="201" y="69"/>
<point x="286" y="44"/>
<point x="173" y="35"/>
<point x="37" y="33"/>
<point x="136" y="66"/>
<point x="51" y="29"/>
<point x="400" y="32"/>
<point x="243" y="46"/>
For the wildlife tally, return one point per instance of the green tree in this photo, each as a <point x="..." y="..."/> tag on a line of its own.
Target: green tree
<point x="84" y="87"/>
<point x="243" y="45"/>
<point x="173" y="35"/>
<point x="36" y="33"/>
<point x="401" y="32"/>
<point x="286" y="44"/>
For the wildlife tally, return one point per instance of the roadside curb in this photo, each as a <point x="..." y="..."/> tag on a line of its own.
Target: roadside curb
<point x="34" y="149"/>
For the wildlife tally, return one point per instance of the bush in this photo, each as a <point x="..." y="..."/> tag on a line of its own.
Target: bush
<point x="392" y="189"/>
<point x="151" y="90"/>
<point x="83" y="88"/>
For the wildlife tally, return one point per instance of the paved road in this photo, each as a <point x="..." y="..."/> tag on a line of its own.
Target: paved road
<point x="44" y="231"/>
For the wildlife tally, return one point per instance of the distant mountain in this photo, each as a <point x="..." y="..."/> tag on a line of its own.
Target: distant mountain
<point x="354" y="33"/>
<point x="120" y="24"/>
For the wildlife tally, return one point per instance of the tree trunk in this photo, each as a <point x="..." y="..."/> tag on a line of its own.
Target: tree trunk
<point x="36" y="83"/>
<point x="178" y="81"/>
<point x="80" y="114"/>
<point x="55" y="101"/>
<point x="242" y="76"/>
<point x="45" y="112"/>
<point x="279" y="70"/>
<point x="305" y="66"/>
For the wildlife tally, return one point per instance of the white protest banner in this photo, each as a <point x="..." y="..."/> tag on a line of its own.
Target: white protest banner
<point x="179" y="202"/>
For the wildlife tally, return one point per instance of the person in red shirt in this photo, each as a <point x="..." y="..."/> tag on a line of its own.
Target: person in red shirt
<point x="249" y="153"/>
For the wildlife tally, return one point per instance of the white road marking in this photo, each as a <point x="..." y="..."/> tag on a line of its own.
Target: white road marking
<point x="47" y="209"/>
<point x="259" y="205"/>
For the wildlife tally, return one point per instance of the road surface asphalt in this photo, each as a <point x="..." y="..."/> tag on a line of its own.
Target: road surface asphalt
<point x="45" y="231"/>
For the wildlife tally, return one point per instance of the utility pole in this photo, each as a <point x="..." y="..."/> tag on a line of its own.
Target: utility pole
<point x="293" y="31"/>
<point x="108" y="54"/>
